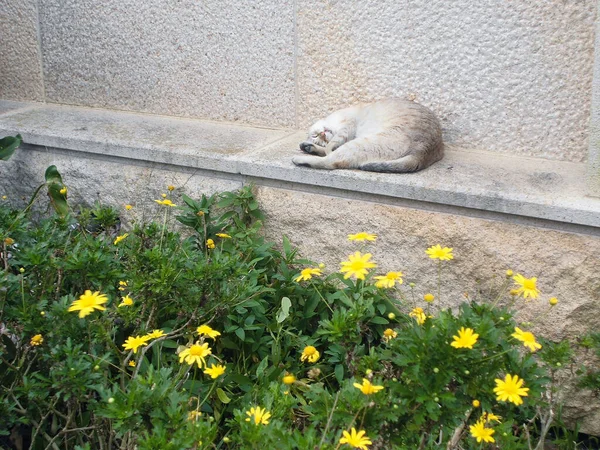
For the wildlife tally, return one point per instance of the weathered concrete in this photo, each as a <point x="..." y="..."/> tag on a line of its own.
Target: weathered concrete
<point x="567" y="265"/>
<point x="510" y="77"/>
<point x="21" y="68"/>
<point x="111" y="181"/>
<point x="594" y="126"/>
<point x="230" y="60"/>
<point x="476" y="181"/>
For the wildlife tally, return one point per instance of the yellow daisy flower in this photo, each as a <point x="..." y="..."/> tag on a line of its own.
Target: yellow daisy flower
<point x="488" y="417"/>
<point x="63" y="191"/>
<point x="388" y="280"/>
<point x="356" y="439"/>
<point x="419" y="315"/>
<point x="428" y="298"/>
<point x="527" y="286"/>
<point x="389" y="334"/>
<point x="437" y="252"/>
<point x="127" y="301"/>
<point x="128" y="207"/>
<point x="288" y="378"/>
<point x="215" y="371"/>
<point x="135" y="342"/>
<point x="466" y="338"/>
<point x="367" y="388"/>
<point x="357" y="266"/>
<point x="527" y="338"/>
<point x="195" y="354"/>
<point x="88" y="302"/>
<point x="36" y="340"/>
<point x="171" y="187"/>
<point x="9" y="241"/>
<point x="481" y="433"/>
<point x="223" y="236"/>
<point x="210" y="243"/>
<point x="165" y="202"/>
<point x="120" y="238"/>
<point x="310" y="354"/>
<point x="155" y="334"/>
<point x="205" y="330"/>
<point x="131" y="363"/>
<point x="307" y="274"/>
<point x="510" y="389"/>
<point x="553" y="301"/>
<point x="258" y="415"/>
<point x="362" y="237"/>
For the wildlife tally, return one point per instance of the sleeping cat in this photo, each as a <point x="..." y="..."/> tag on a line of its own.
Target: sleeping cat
<point x="390" y="135"/>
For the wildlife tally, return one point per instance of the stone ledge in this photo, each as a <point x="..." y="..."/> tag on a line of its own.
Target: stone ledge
<point x="479" y="181"/>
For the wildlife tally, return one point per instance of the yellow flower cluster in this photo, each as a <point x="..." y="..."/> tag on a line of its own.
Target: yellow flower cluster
<point x="199" y="351"/>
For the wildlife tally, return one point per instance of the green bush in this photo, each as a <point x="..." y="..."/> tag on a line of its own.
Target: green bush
<point x="154" y="340"/>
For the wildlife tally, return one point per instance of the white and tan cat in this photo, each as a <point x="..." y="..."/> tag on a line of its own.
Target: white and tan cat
<point x="390" y="135"/>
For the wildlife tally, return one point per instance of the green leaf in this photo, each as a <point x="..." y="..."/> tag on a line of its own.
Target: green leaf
<point x="58" y="200"/>
<point x="284" y="312"/>
<point x="52" y="175"/>
<point x="261" y="367"/>
<point x="240" y="333"/>
<point x="379" y="320"/>
<point x="339" y="373"/>
<point x="8" y="145"/>
<point x="222" y="396"/>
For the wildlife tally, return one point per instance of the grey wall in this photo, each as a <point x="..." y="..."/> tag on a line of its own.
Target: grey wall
<point x="506" y="76"/>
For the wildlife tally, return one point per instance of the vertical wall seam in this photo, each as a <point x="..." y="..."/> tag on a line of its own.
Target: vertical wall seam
<point x="296" y="89"/>
<point x="39" y="43"/>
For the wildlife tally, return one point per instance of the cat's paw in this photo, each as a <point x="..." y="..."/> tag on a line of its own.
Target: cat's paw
<point x="301" y="160"/>
<point x="307" y="147"/>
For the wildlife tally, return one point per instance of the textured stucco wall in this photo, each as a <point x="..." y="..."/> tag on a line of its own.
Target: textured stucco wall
<point x="506" y="76"/>
<point x="567" y="265"/>
<point x="227" y="60"/>
<point x="20" y="67"/>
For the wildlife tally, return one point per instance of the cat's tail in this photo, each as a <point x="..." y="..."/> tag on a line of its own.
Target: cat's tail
<point x="406" y="164"/>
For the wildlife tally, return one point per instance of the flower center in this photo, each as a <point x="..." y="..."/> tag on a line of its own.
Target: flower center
<point x="197" y="350"/>
<point x="529" y="284"/>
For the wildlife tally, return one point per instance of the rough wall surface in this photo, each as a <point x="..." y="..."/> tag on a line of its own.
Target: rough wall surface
<point x="111" y="181"/>
<point x="229" y="60"/>
<point x="566" y="264"/>
<point x="504" y="76"/>
<point x="512" y="77"/>
<point x="20" y="68"/>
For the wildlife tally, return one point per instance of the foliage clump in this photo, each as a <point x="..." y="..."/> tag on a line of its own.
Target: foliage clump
<point x="216" y="338"/>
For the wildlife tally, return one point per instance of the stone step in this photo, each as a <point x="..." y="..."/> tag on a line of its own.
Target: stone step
<point x="528" y="190"/>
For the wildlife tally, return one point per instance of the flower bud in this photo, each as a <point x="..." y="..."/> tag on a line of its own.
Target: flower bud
<point x="467" y="372"/>
<point x="476" y="403"/>
<point x="436" y="370"/>
<point x="509" y="273"/>
<point x="553" y="301"/>
<point x="391" y="316"/>
<point x="111" y="400"/>
<point x="22" y="270"/>
<point x="428" y="298"/>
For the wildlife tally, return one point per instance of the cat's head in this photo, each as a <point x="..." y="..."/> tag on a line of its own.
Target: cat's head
<point x="319" y="134"/>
